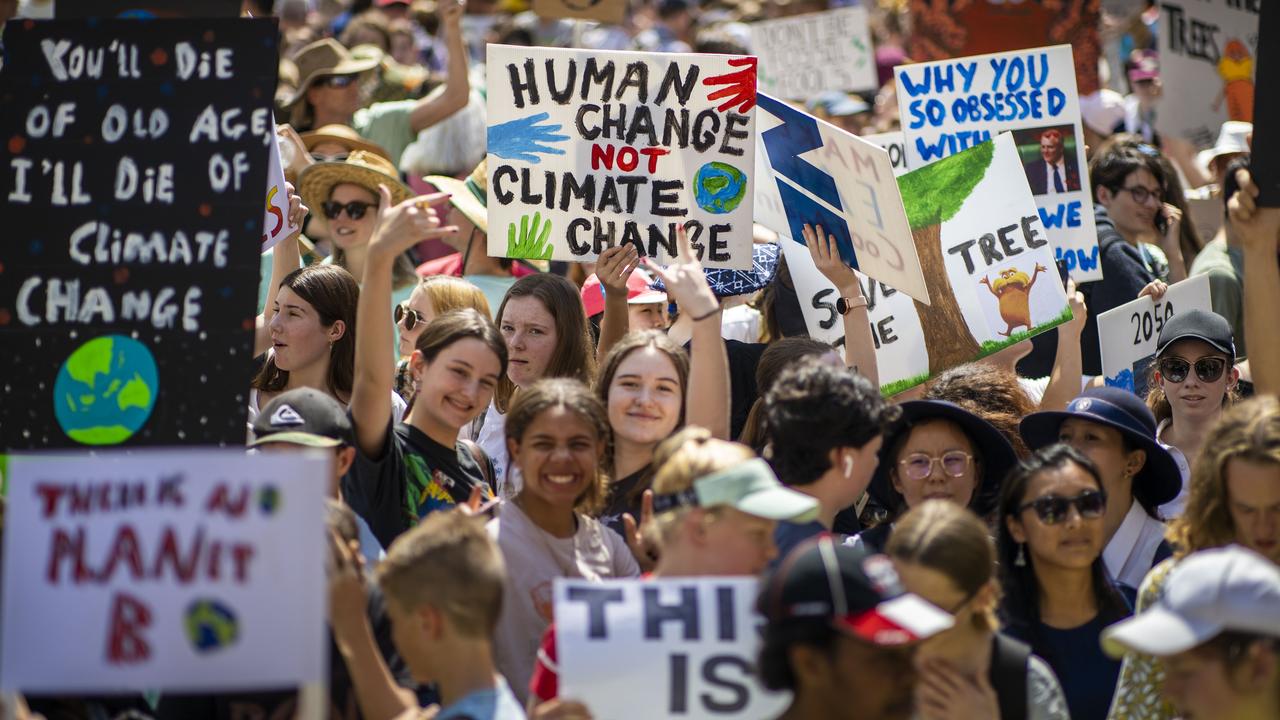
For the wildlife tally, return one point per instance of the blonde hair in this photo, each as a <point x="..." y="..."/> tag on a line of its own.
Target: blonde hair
<point x="450" y="563"/>
<point x="949" y="539"/>
<point x="1249" y="430"/>
<point x="447" y="293"/>
<point x="683" y="458"/>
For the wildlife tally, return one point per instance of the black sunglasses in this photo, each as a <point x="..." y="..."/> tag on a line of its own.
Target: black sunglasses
<point x="1053" y="509"/>
<point x="1208" y="369"/>
<point x="407" y="316"/>
<point x="337" y="157"/>
<point x="337" y="81"/>
<point x="355" y="209"/>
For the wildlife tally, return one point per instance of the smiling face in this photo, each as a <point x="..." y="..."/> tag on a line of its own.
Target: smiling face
<point x="1194" y="399"/>
<point x="344" y="231"/>
<point x="530" y="332"/>
<point x="298" y="336"/>
<point x="1132" y="218"/>
<point x="645" y="397"/>
<point x="1253" y="500"/>
<point x="935" y="438"/>
<point x="421" y="305"/>
<point x="1072" y="543"/>
<point x="457" y="385"/>
<point x="559" y="457"/>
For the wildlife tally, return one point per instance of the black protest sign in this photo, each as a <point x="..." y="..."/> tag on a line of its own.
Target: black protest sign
<point x="132" y="203"/>
<point x="1266" y="111"/>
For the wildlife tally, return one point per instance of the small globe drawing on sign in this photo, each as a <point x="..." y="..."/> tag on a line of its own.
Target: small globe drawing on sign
<point x="268" y="499"/>
<point x="211" y="625"/>
<point x="106" y="390"/>
<point x="719" y="187"/>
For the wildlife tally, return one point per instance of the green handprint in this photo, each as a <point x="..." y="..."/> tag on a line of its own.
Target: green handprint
<point x="531" y="245"/>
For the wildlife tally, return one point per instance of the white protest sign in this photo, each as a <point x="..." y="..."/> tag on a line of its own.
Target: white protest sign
<point x="950" y="105"/>
<point x="804" y="55"/>
<point x="1127" y="334"/>
<point x="276" y="225"/>
<point x="670" y="647"/>
<point x="1207" y="53"/>
<point x="895" y="143"/>
<point x="190" y="571"/>
<point x="589" y="149"/>
<point x="818" y="174"/>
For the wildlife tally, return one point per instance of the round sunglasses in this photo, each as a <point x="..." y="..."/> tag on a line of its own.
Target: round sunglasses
<point x="355" y="209"/>
<point x="1208" y="369"/>
<point x="1053" y="509"/>
<point x="408" y="317"/>
<point x="918" y="466"/>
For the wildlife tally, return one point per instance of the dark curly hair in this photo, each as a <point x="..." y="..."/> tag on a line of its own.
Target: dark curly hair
<point x="989" y="392"/>
<point x="814" y="408"/>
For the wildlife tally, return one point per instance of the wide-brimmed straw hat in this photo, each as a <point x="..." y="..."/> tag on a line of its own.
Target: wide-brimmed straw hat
<point x="322" y="58"/>
<point x="341" y="135"/>
<point x="470" y="196"/>
<point x="362" y="168"/>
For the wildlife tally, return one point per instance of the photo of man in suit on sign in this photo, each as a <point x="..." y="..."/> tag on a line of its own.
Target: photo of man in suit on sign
<point x="1054" y="171"/>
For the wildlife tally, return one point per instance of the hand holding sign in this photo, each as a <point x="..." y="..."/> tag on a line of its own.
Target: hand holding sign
<point x="404" y="225"/>
<point x="1154" y="289"/>
<point x="297" y="211"/>
<point x="1257" y="228"/>
<point x="740" y="86"/>
<point x="615" y="267"/>
<point x="525" y="138"/>
<point x="826" y="257"/>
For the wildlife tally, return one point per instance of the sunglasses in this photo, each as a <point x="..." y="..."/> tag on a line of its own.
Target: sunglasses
<point x="408" y="317"/>
<point x="336" y="157"/>
<point x="1052" y="509"/>
<point x="338" y="81"/>
<point x="355" y="209"/>
<point x="918" y="466"/>
<point x="1208" y="369"/>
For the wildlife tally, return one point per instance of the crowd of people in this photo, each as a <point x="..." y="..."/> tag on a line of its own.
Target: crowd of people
<point x="1041" y="545"/>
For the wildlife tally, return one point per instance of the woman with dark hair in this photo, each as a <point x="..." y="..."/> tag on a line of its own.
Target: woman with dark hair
<point x="1117" y="432"/>
<point x="992" y="393"/>
<point x="779" y="355"/>
<point x="939" y="452"/>
<point x="1058" y="596"/>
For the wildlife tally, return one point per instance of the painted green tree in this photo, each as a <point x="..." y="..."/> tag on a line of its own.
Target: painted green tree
<point x="932" y="195"/>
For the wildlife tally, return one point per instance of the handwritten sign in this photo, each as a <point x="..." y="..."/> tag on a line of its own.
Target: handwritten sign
<point x="605" y="11"/>
<point x="591" y="149"/>
<point x="163" y="570"/>
<point x="895" y="143"/>
<point x="690" y="646"/>
<point x="951" y="105"/>
<point x="1127" y="334"/>
<point x="813" y="172"/>
<point x="1207" y="53"/>
<point x="803" y="55"/>
<point x="276" y="225"/>
<point x="132" y="204"/>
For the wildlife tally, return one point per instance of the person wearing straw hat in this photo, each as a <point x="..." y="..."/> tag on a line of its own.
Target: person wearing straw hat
<point x="334" y="142"/>
<point x="330" y="90"/>
<point x="346" y="193"/>
<point x="470" y="260"/>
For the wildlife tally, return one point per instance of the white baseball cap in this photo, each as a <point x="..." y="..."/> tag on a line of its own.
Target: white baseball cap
<point x="1208" y="593"/>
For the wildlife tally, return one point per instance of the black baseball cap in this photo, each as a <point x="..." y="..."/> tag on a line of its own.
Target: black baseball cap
<point x="304" y="416"/>
<point x="854" y="590"/>
<point x="1198" y="325"/>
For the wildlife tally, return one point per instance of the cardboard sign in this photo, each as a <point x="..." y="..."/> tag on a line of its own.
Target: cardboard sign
<point x="957" y="28"/>
<point x="818" y="174"/>
<point x="589" y="149"/>
<point x="1207" y="54"/>
<point x="164" y="571"/>
<point x="951" y="105"/>
<point x="132" y="200"/>
<point x="1127" y="334"/>
<point x="605" y="11"/>
<point x="1265" y="162"/>
<point x="895" y="143"/>
<point x="276" y="225"/>
<point x="804" y="55"/>
<point x="676" y="648"/>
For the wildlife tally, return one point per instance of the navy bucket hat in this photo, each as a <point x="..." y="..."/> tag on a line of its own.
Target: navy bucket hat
<point x="1159" y="481"/>
<point x="730" y="283"/>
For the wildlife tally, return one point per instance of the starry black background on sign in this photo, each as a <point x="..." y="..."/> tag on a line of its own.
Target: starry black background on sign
<point x="203" y="375"/>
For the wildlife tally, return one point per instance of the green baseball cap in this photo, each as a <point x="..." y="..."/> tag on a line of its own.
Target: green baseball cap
<point x="750" y="487"/>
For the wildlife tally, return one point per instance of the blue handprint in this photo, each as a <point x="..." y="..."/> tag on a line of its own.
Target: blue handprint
<point x="522" y="138"/>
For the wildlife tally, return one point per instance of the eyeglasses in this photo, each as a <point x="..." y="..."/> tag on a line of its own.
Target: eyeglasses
<point x="918" y="466"/>
<point x="1052" y="509"/>
<point x="336" y="157"/>
<point x="408" y="317"/>
<point x="337" y="81"/>
<point x="1141" y="195"/>
<point x="355" y="209"/>
<point x="1208" y="369"/>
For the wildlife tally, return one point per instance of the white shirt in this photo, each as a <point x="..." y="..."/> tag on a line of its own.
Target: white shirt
<point x="492" y="438"/>
<point x="1174" y="507"/>
<point x="1048" y="174"/>
<point x="1132" y="550"/>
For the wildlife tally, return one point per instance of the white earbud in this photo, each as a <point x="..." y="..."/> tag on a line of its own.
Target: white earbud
<point x="848" y="466"/>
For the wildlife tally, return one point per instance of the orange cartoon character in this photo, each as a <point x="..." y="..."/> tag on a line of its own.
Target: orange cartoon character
<point x="1235" y="67"/>
<point x="1013" y="289"/>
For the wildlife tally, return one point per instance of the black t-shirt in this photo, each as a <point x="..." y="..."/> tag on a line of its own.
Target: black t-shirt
<point x="412" y="477"/>
<point x="624" y="497"/>
<point x="282" y="704"/>
<point x="743" y="359"/>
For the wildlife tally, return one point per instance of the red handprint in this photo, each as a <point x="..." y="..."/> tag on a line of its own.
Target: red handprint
<point x="740" y="86"/>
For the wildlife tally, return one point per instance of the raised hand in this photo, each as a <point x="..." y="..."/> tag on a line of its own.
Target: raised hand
<point x="645" y="550"/>
<point x="297" y="211"/>
<point x="451" y="10"/>
<point x="1257" y="228"/>
<point x="686" y="282"/>
<point x="347" y="598"/>
<point x="826" y="257"/>
<point x="740" y="86"/>
<point x="407" y="224"/>
<point x="1155" y="289"/>
<point x="1079" y="311"/>
<point x="615" y="266"/>
<point x="524" y="139"/>
<point x="530" y="244"/>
